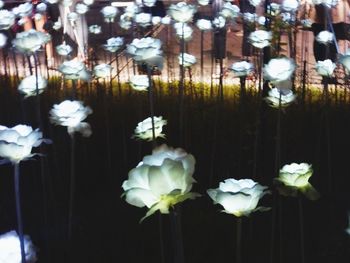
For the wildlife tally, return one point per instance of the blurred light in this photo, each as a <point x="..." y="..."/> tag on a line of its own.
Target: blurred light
<point x="122" y="4"/>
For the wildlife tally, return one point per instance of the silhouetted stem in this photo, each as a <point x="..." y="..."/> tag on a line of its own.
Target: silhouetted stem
<point x="238" y="240"/>
<point x="71" y="188"/>
<point x="301" y="220"/>
<point x="177" y="236"/>
<point x="150" y="94"/>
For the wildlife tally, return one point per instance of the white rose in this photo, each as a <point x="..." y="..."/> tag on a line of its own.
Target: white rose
<point x="219" y="22"/>
<point x="23" y="10"/>
<point x="203" y="2"/>
<point x="41" y="8"/>
<point x="327" y="3"/>
<point x="81" y="8"/>
<point x="7" y="19"/>
<point x="30" y="41"/>
<point x="109" y="13"/>
<point x="274" y="95"/>
<point x="3" y="40"/>
<point x="242" y="68"/>
<point x="249" y="17"/>
<point x="149" y="3"/>
<point x="95" y="29"/>
<point x="139" y="82"/>
<point x="204" y="24"/>
<point x="255" y="2"/>
<point x="189" y="60"/>
<point x="325" y="68"/>
<point x="88" y="2"/>
<point x="144" y="131"/>
<point x="74" y="69"/>
<point x="229" y="10"/>
<point x="279" y="69"/>
<point x="290" y="5"/>
<point x="63" y="49"/>
<point x="28" y="85"/>
<point x="182" y="12"/>
<point x="114" y="44"/>
<point x="102" y="70"/>
<point x="260" y="38"/>
<point x="324" y="37"/>
<point x="183" y="31"/>
<point x="143" y="19"/>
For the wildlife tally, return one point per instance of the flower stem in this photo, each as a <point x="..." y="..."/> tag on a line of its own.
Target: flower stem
<point x="19" y="212"/>
<point x="301" y="219"/>
<point x="177" y="236"/>
<point x="238" y="240"/>
<point x="202" y="64"/>
<point x="71" y="189"/>
<point x="150" y="94"/>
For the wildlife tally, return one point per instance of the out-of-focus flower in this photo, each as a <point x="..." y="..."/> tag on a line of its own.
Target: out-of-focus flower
<point x="229" y="11"/>
<point x="183" y="31"/>
<point x="249" y="17"/>
<point x="67" y="3"/>
<point x="149" y="3"/>
<point x="144" y="131"/>
<point x="189" y="60"/>
<point x="10" y="249"/>
<point x="52" y="2"/>
<point x="324" y="37"/>
<point x="88" y="2"/>
<point x="23" y="10"/>
<point x="74" y="69"/>
<point x="274" y="9"/>
<point x="143" y="19"/>
<point x="203" y="2"/>
<point x="16" y="143"/>
<point x="102" y="70"/>
<point x="274" y="95"/>
<point x="81" y="8"/>
<point x="347" y="230"/>
<point x="146" y="50"/>
<point x="161" y="180"/>
<point x="109" y="13"/>
<point x="30" y="41"/>
<point x="261" y="20"/>
<point x="288" y="17"/>
<point x="242" y="68"/>
<point x="28" y="85"/>
<point x="219" y="22"/>
<point x="166" y="20"/>
<point x="139" y="82"/>
<point x="255" y="2"/>
<point x="279" y="69"/>
<point x="238" y="197"/>
<point x="295" y="177"/>
<point x="71" y="114"/>
<point x="260" y="38"/>
<point x="41" y="8"/>
<point x="72" y="17"/>
<point x="114" y="44"/>
<point x="3" y="40"/>
<point x="156" y="20"/>
<point x="290" y="5"/>
<point x="63" y="49"/>
<point x="204" y="24"/>
<point x="95" y="29"/>
<point x="325" y="68"/>
<point x="182" y="12"/>
<point x="57" y="25"/>
<point x="7" y="19"/>
<point x="125" y="21"/>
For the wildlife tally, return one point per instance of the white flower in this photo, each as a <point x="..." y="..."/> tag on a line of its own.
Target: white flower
<point x="149" y="3"/>
<point x="28" y="85"/>
<point x="146" y="50"/>
<point x="41" y="8"/>
<point x="324" y="37"/>
<point x="95" y="29"/>
<point x="109" y="13"/>
<point x="10" y="249"/>
<point x="242" y="68"/>
<point x="204" y="24"/>
<point x="88" y="2"/>
<point x="139" y="82"/>
<point x="132" y="9"/>
<point x="327" y="3"/>
<point x="189" y="60"/>
<point x="238" y="197"/>
<point x="219" y="22"/>
<point x="71" y="114"/>
<point x="30" y="41"/>
<point x="279" y="69"/>
<point x="260" y="38"/>
<point x="183" y="31"/>
<point x="255" y="2"/>
<point x="144" y="131"/>
<point x="182" y="12"/>
<point x="74" y="69"/>
<point x="273" y="98"/>
<point x="125" y="21"/>
<point x="156" y="20"/>
<point x="166" y="20"/>
<point x="287" y="17"/>
<point x="16" y="143"/>
<point x="274" y="9"/>
<point x="23" y="10"/>
<point x="51" y="1"/>
<point x="229" y="10"/>
<point x="57" y="25"/>
<point x="290" y="5"/>
<point x="102" y="70"/>
<point x="143" y="19"/>
<point x="261" y="20"/>
<point x="114" y="44"/>
<point x="161" y="180"/>
<point x="81" y="8"/>
<point x="325" y="68"/>
<point x="203" y="2"/>
<point x="249" y="17"/>
<point x="72" y="17"/>
<point x="63" y="49"/>
<point x="3" y="40"/>
<point x="7" y="19"/>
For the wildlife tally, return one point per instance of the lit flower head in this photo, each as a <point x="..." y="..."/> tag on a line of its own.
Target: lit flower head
<point x="114" y="44"/>
<point x="325" y="37"/>
<point x="139" y="82"/>
<point x="23" y="10"/>
<point x="81" y="8"/>
<point x="149" y="3"/>
<point x="219" y="22"/>
<point x="7" y="19"/>
<point x="204" y="24"/>
<point x="189" y="60"/>
<point x="102" y="70"/>
<point x="143" y="19"/>
<point x="290" y="5"/>
<point x="109" y="13"/>
<point x="95" y="29"/>
<point x="144" y="131"/>
<point x="182" y="12"/>
<point x="10" y="250"/>
<point x="64" y="49"/>
<point x="203" y="2"/>
<point x="238" y="197"/>
<point x="255" y="2"/>
<point x="295" y="177"/>
<point x="74" y="69"/>
<point x="30" y="41"/>
<point x="125" y="21"/>
<point x="161" y="180"/>
<point x="71" y="114"/>
<point x="325" y="67"/>
<point x="242" y="68"/>
<point x="260" y="38"/>
<point x="275" y="94"/>
<point x="28" y="85"/>
<point x="229" y="11"/>
<point x="249" y="17"/>
<point x="16" y="143"/>
<point x="279" y="69"/>
<point x="183" y="31"/>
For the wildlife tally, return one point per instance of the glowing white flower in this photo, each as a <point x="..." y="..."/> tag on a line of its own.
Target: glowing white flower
<point x="260" y="38"/>
<point x="203" y="2"/>
<point x="279" y="69"/>
<point x="324" y="37"/>
<point x="143" y="19"/>
<point x="161" y="180"/>
<point x="63" y="49"/>
<point x="71" y="114"/>
<point x="3" y="40"/>
<point x="139" y="82"/>
<point x="204" y="24"/>
<point x="41" y="8"/>
<point x="166" y="20"/>
<point x="274" y="9"/>
<point x="74" y="69"/>
<point x="255" y="2"/>
<point x="261" y="20"/>
<point x="72" y="17"/>
<point x="249" y="17"/>
<point x="102" y="70"/>
<point x="325" y="68"/>
<point x="88" y="2"/>
<point x="51" y="1"/>
<point x="229" y="11"/>
<point x="30" y="41"/>
<point x="81" y="8"/>
<point x="189" y="60"/>
<point x="238" y="197"/>
<point x="219" y="22"/>
<point x="182" y="12"/>
<point x="132" y="9"/>
<point x="183" y="31"/>
<point x="287" y="17"/>
<point x="144" y="131"/>
<point x="146" y="50"/>
<point x="57" y="25"/>
<point x="7" y="19"/>
<point x="23" y="10"/>
<point x="290" y="5"/>
<point x="10" y="249"/>
<point x="125" y="21"/>
<point x="242" y="68"/>
<point x="156" y="20"/>
<point x="28" y="85"/>
<point x="109" y="13"/>
<point x="274" y="95"/>
<point x="114" y="44"/>
<point x="95" y="29"/>
<point x="327" y="3"/>
<point x="149" y="3"/>
<point x="16" y="143"/>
